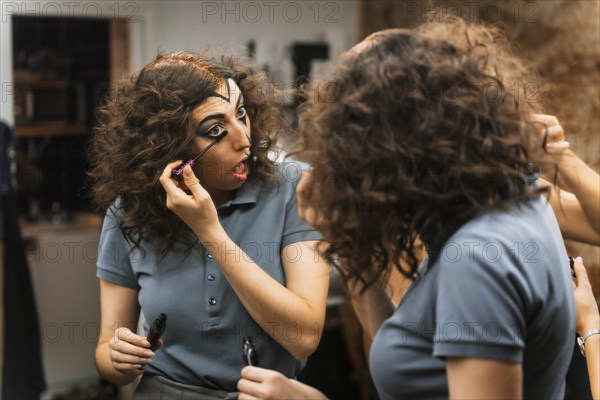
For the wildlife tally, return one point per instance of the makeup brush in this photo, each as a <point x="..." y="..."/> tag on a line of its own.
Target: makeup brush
<point x="177" y="173"/>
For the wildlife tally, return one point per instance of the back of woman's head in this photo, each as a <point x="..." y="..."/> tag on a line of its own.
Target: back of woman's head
<point x="147" y="123"/>
<point x="421" y="127"/>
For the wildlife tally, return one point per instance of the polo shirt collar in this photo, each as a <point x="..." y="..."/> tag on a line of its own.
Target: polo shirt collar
<point x="246" y="194"/>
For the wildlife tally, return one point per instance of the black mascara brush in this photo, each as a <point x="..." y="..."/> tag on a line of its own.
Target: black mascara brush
<point x="177" y="173"/>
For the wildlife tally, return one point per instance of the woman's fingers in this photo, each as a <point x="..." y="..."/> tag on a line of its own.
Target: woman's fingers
<point x="555" y="139"/>
<point x="167" y="182"/>
<point x="121" y="358"/>
<point x="548" y="120"/>
<point x="197" y="209"/>
<point x="554" y="147"/>
<point x="581" y="275"/>
<point x="554" y="133"/>
<point x="126" y="335"/>
<point x="261" y="383"/>
<point x="250" y="389"/>
<point x="129" y="352"/>
<point x="193" y="184"/>
<point x="586" y="307"/>
<point x="255" y="374"/>
<point x="174" y="191"/>
<point x="135" y="369"/>
<point x="245" y="396"/>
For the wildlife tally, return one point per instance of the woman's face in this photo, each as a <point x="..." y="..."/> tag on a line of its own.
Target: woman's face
<point x="224" y="167"/>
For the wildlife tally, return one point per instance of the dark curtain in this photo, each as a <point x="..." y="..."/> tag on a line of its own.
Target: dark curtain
<point x="23" y="376"/>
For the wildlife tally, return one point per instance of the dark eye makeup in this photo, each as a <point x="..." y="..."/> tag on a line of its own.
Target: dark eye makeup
<point x="242" y="114"/>
<point x="215" y="129"/>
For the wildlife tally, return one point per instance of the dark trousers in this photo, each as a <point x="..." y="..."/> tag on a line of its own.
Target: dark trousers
<point x="155" y="387"/>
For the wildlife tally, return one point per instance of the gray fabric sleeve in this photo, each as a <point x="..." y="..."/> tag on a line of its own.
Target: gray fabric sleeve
<point x="113" y="255"/>
<point x="481" y="307"/>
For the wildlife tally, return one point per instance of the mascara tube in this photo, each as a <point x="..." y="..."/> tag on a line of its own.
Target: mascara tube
<point x="156" y="330"/>
<point x="250" y="354"/>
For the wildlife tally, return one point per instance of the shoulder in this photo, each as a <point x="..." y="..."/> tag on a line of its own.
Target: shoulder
<point x="528" y="220"/>
<point x="504" y="242"/>
<point x="283" y="179"/>
<point x="116" y="210"/>
<point x="289" y="172"/>
<point x="113" y="218"/>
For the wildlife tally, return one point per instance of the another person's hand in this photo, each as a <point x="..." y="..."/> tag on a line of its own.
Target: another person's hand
<point x="586" y="307"/>
<point x="575" y="199"/>
<point x="130" y="353"/>
<point x="260" y="383"/>
<point x="197" y="209"/>
<point x="555" y="140"/>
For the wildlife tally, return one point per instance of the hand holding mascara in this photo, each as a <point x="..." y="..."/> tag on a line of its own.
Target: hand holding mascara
<point x="177" y="173"/>
<point x="250" y="355"/>
<point x="156" y="330"/>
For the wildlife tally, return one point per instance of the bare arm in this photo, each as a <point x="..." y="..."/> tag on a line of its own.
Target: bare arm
<point x="572" y="219"/>
<point x="372" y="307"/>
<point x="120" y="352"/>
<point x="293" y="314"/>
<point x="577" y="204"/>
<point x="592" y="351"/>
<point x="474" y="378"/>
<point x="588" y="319"/>
<point x="578" y="178"/>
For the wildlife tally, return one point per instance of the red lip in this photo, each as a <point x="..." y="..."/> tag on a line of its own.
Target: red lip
<point x="240" y="171"/>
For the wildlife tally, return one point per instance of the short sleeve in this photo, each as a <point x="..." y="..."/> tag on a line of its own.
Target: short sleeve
<point x="296" y="229"/>
<point x="480" y="305"/>
<point x="113" y="262"/>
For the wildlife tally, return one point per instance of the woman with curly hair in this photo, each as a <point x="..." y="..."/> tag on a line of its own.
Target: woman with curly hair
<point x="220" y="251"/>
<point x="428" y="138"/>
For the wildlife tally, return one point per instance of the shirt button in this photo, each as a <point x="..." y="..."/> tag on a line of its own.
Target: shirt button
<point x="212" y="301"/>
<point x="210" y="277"/>
<point x="210" y="256"/>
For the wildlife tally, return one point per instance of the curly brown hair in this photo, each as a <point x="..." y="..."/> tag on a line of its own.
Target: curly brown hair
<point x="147" y="123"/>
<point x="416" y="131"/>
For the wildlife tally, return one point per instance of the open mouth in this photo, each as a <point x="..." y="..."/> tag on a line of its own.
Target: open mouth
<point x="240" y="172"/>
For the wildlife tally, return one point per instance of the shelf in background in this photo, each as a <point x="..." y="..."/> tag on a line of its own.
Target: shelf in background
<point x="50" y="129"/>
<point x="83" y="221"/>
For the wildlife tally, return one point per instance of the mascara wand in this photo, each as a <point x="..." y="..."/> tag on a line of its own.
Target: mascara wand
<point x="177" y="173"/>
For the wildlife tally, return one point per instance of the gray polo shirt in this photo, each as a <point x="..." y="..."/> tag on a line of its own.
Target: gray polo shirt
<point x="500" y="289"/>
<point x="206" y="320"/>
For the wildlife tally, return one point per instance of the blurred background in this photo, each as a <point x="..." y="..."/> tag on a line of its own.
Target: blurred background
<point x="58" y="61"/>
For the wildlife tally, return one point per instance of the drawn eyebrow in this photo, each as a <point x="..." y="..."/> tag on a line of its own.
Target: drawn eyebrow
<point x="215" y="94"/>
<point x="220" y="115"/>
<point x="228" y="98"/>
<point x="209" y="117"/>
